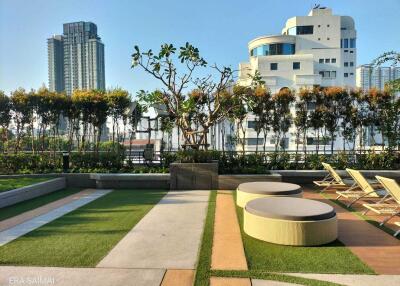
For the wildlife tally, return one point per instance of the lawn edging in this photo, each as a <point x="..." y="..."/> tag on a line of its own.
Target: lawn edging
<point x="12" y="197"/>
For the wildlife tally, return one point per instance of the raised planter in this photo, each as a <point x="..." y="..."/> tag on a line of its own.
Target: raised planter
<point x="131" y="181"/>
<point x="194" y="176"/>
<point x="32" y="191"/>
<point x="231" y="182"/>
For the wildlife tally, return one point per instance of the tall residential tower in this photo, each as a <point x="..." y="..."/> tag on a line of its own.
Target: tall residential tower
<point x="76" y="58"/>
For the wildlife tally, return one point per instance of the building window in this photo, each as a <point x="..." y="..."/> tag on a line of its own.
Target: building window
<point x="346" y="51"/>
<point x="327" y="61"/>
<point x="328" y="25"/>
<point x="333" y="74"/>
<point x="345" y="43"/>
<point x="274" y="49"/>
<point x="319" y="26"/>
<point x="251" y="124"/>
<point x="304" y="30"/>
<point x="327" y="74"/>
<point x="351" y="73"/>
<point x="352" y="64"/>
<point x="273" y="66"/>
<point x="254" y="141"/>
<point x="333" y="60"/>
<point x="351" y="52"/>
<point x="321" y="61"/>
<point x="321" y="73"/>
<point x="346" y="74"/>
<point x="352" y="43"/>
<point x="346" y="64"/>
<point x="319" y="39"/>
<point x="296" y="65"/>
<point x="328" y="39"/>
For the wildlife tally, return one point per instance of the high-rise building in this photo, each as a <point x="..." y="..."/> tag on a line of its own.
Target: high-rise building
<point x="368" y="76"/>
<point x="76" y="58"/>
<point x="318" y="49"/>
<point x="55" y="50"/>
<point x="314" y="50"/>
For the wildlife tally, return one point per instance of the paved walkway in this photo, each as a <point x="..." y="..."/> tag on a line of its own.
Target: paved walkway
<point x="374" y="247"/>
<point x="13" y="221"/>
<point x="11" y="275"/>
<point x="21" y="229"/>
<point x="352" y="280"/>
<point x="227" y="252"/>
<point x="175" y="277"/>
<point x="168" y="237"/>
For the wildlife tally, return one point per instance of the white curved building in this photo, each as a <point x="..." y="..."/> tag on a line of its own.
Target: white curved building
<point x="318" y="49"/>
<point x="314" y="50"/>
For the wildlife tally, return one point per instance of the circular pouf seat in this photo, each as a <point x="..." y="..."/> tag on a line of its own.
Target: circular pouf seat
<point x="290" y="221"/>
<point x="254" y="190"/>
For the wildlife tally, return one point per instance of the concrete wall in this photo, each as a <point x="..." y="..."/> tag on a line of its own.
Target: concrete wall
<point x="194" y="176"/>
<point x="29" y="192"/>
<point x="131" y="181"/>
<point x="231" y="182"/>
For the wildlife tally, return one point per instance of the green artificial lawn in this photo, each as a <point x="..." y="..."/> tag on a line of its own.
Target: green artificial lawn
<point x="34" y="203"/>
<point x="204" y="272"/>
<point x="330" y="258"/>
<point x="14" y="183"/>
<point x="83" y="237"/>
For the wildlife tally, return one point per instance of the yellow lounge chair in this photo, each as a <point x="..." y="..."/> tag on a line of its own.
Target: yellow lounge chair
<point x="365" y="189"/>
<point x="392" y="210"/>
<point x="397" y="232"/>
<point x="332" y="179"/>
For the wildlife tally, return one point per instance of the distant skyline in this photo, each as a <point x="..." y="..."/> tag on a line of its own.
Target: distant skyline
<point x="220" y="29"/>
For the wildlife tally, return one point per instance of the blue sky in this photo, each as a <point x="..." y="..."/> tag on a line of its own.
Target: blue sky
<point x="220" y="29"/>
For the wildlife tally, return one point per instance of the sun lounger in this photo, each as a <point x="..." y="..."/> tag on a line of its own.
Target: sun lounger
<point x="391" y="209"/>
<point x="364" y="189"/>
<point x="331" y="180"/>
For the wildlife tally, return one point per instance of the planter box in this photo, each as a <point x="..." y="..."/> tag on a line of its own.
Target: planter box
<point x="131" y="181"/>
<point x="32" y="191"/>
<point x="231" y="182"/>
<point x="194" y="176"/>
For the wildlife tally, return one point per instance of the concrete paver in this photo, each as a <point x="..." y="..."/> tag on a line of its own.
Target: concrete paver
<point x="174" y="277"/>
<point x="14" y="232"/>
<point x="18" y="219"/>
<point x="168" y="237"/>
<point x="11" y="275"/>
<point x="353" y="280"/>
<point x="227" y="252"/>
<point x="259" y="282"/>
<point x="228" y="281"/>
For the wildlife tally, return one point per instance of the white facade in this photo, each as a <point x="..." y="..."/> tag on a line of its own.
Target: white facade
<point x="368" y="77"/>
<point x="314" y="50"/>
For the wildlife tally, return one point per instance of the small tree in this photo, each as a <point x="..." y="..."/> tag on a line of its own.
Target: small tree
<point x="195" y="103"/>
<point x="119" y="102"/>
<point x="282" y="117"/>
<point x="22" y="113"/>
<point x="5" y="117"/>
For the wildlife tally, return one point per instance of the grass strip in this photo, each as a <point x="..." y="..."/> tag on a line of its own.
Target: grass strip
<point x="83" y="237"/>
<point x="204" y="262"/>
<point x="362" y="216"/>
<point x="264" y="275"/>
<point x="15" y="183"/>
<point x="34" y="203"/>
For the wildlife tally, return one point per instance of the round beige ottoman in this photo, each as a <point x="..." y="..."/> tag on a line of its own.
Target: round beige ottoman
<point x="254" y="190"/>
<point x="290" y="221"/>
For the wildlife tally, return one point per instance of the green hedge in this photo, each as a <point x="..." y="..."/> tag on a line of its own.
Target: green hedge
<point x="229" y="162"/>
